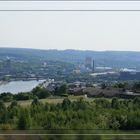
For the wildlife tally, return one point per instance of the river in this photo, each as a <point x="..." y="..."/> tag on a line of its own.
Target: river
<point x="19" y="86"/>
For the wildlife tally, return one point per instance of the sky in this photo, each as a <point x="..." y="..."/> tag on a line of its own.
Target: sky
<point x="92" y="30"/>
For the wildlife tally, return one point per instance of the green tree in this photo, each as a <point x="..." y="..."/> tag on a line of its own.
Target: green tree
<point x="115" y="125"/>
<point x="13" y="104"/>
<point x="35" y="101"/>
<point x="61" y="90"/>
<point x="136" y="101"/>
<point x="66" y="103"/>
<point x="2" y="106"/>
<point x="102" y="103"/>
<point x="24" y="120"/>
<point x="115" y="103"/>
<point x="3" y="113"/>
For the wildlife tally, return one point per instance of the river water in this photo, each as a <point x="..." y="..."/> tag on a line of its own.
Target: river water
<point x="19" y="86"/>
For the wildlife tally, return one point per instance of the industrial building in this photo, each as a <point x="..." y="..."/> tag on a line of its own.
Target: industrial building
<point x="89" y="63"/>
<point x="129" y="74"/>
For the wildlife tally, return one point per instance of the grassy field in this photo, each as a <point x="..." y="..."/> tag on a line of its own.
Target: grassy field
<point x="57" y="99"/>
<point x="51" y="100"/>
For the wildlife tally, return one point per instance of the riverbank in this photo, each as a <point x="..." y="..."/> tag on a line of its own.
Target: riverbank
<point x="19" y="86"/>
<point x="3" y="82"/>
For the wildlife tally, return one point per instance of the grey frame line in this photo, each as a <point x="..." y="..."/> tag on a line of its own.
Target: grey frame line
<point x="73" y="10"/>
<point x="70" y="134"/>
<point x="69" y="0"/>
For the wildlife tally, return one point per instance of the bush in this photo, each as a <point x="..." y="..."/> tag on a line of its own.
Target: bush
<point x="5" y="127"/>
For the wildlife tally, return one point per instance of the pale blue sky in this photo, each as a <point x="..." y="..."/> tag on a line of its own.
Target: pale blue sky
<point x="71" y="30"/>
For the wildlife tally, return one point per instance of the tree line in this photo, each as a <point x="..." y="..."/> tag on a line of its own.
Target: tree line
<point x="100" y="114"/>
<point x="38" y="91"/>
<point x="62" y="90"/>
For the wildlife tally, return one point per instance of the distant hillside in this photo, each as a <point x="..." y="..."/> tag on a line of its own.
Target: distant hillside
<point x="115" y="59"/>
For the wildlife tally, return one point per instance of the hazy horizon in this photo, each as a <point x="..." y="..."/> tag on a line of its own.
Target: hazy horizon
<point x="70" y="49"/>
